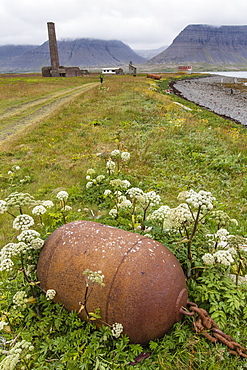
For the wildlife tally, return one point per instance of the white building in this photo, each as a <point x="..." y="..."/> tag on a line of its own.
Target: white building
<point x="112" y="71"/>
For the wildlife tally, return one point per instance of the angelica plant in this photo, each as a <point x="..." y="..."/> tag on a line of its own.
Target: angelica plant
<point x="226" y="250"/>
<point x="92" y="278"/>
<point x="119" y="158"/>
<point x="20" y="256"/>
<point x="19" y="353"/>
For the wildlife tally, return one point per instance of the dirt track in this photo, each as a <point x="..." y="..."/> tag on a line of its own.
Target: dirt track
<point x="15" y="119"/>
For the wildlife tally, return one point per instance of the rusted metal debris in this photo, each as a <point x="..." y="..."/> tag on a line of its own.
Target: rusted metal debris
<point x="145" y="286"/>
<point x="153" y="76"/>
<point x="206" y="326"/>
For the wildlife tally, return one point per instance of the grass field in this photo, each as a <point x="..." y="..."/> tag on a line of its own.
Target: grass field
<point x="172" y="150"/>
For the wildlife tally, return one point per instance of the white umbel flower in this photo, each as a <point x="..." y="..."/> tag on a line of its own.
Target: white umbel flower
<point x="117" y="330"/>
<point x="204" y="199"/>
<point x="110" y="165"/>
<point x="23" y="222"/>
<point x="39" y="210"/>
<point x="50" y="294"/>
<point x="62" y="195"/>
<point x="48" y="203"/>
<point x="115" y="153"/>
<point x="125" y="156"/>
<point x="3" y="206"/>
<point x="28" y="235"/>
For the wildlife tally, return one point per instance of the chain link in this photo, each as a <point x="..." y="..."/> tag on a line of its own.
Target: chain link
<point x="206" y="326"/>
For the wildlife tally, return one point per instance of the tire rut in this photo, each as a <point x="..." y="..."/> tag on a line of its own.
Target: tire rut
<point x="48" y="104"/>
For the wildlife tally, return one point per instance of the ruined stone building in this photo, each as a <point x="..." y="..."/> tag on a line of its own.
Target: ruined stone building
<point x="55" y="70"/>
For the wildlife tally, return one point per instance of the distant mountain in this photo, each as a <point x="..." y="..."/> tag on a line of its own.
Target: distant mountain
<point x="206" y="44"/>
<point x="9" y="51"/>
<point x="148" y="54"/>
<point x="81" y="53"/>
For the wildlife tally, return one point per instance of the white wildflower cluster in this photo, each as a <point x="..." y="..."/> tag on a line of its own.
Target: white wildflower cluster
<point x="12" y="249"/>
<point x="107" y="192"/>
<point x="224" y="257"/>
<point x="115" y="157"/>
<point x="160" y="214"/>
<point x="204" y="199"/>
<point x="3" y="206"/>
<point x="14" y="355"/>
<point x="48" y="204"/>
<point x="39" y="210"/>
<point x="118" y="183"/>
<point x="223" y="239"/>
<point x="66" y="208"/>
<point x="28" y="240"/>
<point x="236" y="241"/>
<point x="62" y="195"/>
<point x="208" y="259"/>
<point x="121" y="200"/>
<point x="28" y="235"/>
<point x="178" y="217"/>
<point x="222" y="218"/>
<point x="15" y="168"/>
<point x="89" y="184"/>
<point x="151" y="199"/>
<point x="222" y="234"/>
<point x="91" y="180"/>
<point x="50" y="294"/>
<point x="124" y="156"/>
<point x="6" y="264"/>
<point x="219" y="239"/>
<point x="29" y="269"/>
<point x="36" y="243"/>
<point x="90" y="172"/>
<point x="228" y="244"/>
<point x="20" y="299"/>
<point x="116" y="153"/>
<point x="25" y="180"/>
<point x="100" y="178"/>
<point x="124" y="202"/>
<point x="117" y="330"/>
<point x="23" y="222"/>
<point x="110" y="166"/>
<point x="94" y="277"/>
<point x="19" y="200"/>
<point x="136" y="193"/>
<point x="113" y="213"/>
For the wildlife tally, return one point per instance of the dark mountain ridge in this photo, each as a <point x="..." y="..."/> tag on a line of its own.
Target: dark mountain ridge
<point x="199" y="43"/>
<point x="81" y="53"/>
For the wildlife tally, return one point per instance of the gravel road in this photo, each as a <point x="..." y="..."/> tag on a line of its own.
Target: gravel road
<point x="212" y="93"/>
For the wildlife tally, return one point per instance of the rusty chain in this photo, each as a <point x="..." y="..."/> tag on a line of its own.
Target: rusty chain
<point x="206" y="326"/>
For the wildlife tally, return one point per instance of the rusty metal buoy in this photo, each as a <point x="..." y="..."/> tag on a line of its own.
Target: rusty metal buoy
<point x="145" y="286"/>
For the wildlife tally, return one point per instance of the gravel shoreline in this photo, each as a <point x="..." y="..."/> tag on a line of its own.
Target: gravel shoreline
<point x="210" y="93"/>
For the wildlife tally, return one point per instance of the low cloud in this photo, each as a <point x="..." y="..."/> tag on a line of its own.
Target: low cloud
<point x="142" y="24"/>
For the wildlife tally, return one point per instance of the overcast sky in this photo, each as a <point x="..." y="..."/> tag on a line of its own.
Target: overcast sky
<point x="141" y="24"/>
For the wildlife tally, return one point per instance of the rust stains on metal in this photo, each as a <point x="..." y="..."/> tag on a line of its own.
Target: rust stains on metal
<point x="153" y="76"/>
<point x="145" y="286"/>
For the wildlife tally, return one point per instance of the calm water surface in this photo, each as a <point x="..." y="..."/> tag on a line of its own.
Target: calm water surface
<point x="237" y="74"/>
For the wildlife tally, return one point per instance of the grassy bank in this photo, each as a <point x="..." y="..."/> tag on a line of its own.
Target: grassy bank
<point x="172" y="150"/>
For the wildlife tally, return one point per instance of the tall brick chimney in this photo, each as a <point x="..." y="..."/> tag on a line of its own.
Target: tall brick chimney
<point x="53" y="49"/>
